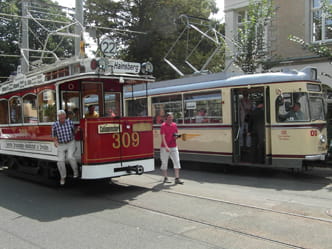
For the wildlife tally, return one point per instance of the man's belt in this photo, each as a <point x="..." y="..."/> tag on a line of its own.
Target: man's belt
<point x="66" y="142"/>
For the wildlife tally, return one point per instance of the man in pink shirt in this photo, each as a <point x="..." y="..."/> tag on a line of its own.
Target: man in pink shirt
<point x="169" y="134"/>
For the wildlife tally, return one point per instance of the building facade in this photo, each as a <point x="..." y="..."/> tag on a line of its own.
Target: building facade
<point x="300" y="18"/>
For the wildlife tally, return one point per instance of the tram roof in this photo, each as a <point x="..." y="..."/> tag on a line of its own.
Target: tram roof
<point x="208" y="81"/>
<point x="128" y="72"/>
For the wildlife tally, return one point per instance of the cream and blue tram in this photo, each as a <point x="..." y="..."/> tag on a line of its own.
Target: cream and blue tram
<point x="222" y="135"/>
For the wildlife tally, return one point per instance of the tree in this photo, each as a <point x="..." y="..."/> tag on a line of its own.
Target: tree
<point x="154" y="24"/>
<point x="250" y="42"/>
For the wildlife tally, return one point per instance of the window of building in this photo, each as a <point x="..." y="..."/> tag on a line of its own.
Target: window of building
<point x="4" y="111"/>
<point x="46" y="106"/>
<point x="203" y="107"/>
<point x="15" y="109"/>
<point x="163" y="104"/>
<point x="321" y="22"/>
<point x="30" y="109"/>
<point x="261" y="29"/>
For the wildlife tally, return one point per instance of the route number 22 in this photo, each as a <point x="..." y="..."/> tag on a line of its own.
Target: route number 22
<point x="108" y="47"/>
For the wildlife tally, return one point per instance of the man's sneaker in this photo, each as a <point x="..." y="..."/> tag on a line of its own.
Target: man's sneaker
<point x="178" y="181"/>
<point x="75" y="175"/>
<point x="62" y="181"/>
<point x="166" y="180"/>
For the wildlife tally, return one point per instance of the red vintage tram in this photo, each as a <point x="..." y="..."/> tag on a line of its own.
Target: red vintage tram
<point x="108" y="146"/>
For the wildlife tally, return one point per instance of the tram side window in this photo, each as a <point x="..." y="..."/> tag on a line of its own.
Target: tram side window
<point x="203" y="107"/>
<point x="317" y="107"/>
<point x="136" y="107"/>
<point x="292" y="107"/>
<point x="4" y="112"/>
<point x="112" y="104"/>
<point x="46" y="106"/>
<point x="15" y="107"/>
<point x="163" y="104"/>
<point x="30" y="109"/>
<point x="70" y="103"/>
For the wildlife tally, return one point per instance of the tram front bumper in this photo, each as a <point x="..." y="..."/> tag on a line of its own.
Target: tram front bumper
<point x="320" y="157"/>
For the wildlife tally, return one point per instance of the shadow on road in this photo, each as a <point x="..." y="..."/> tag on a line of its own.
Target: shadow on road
<point x="45" y="204"/>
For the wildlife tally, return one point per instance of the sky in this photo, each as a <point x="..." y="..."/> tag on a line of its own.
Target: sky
<point x="219" y="16"/>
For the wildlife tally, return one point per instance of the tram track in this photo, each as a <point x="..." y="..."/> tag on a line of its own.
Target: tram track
<point x="292" y="214"/>
<point x="211" y="225"/>
<point x="250" y="206"/>
<point x="232" y="229"/>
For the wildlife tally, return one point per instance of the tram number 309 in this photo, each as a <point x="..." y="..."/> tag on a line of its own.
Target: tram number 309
<point x="125" y="140"/>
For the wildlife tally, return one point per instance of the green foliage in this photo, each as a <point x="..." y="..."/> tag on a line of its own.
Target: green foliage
<point x="316" y="48"/>
<point x="250" y="38"/>
<point x="158" y="20"/>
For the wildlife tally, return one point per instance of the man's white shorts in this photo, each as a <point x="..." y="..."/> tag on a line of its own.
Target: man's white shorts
<point x="173" y="154"/>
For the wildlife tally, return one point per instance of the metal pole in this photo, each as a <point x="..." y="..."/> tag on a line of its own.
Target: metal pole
<point x="25" y="37"/>
<point x="78" y="27"/>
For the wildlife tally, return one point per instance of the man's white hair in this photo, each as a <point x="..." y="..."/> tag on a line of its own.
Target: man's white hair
<point x="60" y="112"/>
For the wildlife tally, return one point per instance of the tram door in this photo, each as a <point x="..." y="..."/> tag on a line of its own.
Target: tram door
<point x="92" y="95"/>
<point x="248" y="125"/>
<point x="236" y="126"/>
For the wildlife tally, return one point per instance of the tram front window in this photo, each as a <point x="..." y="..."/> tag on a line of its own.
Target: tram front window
<point x="317" y="107"/>
<point x="112" y="104"/>
<point x="292" y="107"/>
<point x="137" y="107"/>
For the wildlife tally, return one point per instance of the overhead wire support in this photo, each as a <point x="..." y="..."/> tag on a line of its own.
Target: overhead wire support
<point x="39" y="19"/>
<point x="193" y="23"/>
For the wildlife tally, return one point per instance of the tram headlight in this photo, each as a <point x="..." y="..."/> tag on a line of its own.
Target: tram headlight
<point x="322" y="139"/>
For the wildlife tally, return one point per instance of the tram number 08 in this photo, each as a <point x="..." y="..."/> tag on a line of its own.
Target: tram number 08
<point x="125" y="140"/>
<point x="313" y="133"/>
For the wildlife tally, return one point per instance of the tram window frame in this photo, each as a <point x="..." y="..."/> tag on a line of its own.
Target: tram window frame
<point x="287" y="101"/>
<point x="164" y="104"/>
<point x="112" y="109"/>
<point x="46" y="110"/>
<point x="136" y="107"/>
<point x="4" y="111"/>
<point x="72" y="110"/>
<point x="30" y="113"/>
<point x="15" y="110"/>
<point x="206" y="105"/>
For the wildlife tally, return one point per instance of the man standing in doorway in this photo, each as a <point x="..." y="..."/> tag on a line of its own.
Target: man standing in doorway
<point x="169" y="134"/>
<point x="256" y="128"/>
<point x="63" y="136"/>
<point x="91" y="112"/>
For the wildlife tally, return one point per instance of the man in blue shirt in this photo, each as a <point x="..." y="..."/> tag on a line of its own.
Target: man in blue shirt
<point x="63" y="132"/>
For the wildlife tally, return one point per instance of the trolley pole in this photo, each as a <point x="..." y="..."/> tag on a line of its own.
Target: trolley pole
<point x="25" y="37"/>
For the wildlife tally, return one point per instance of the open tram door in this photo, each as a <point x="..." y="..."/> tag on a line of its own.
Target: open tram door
<point x="248" y="125"/>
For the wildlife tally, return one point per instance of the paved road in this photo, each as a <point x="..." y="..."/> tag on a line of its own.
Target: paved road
<point x="242" y="209"/>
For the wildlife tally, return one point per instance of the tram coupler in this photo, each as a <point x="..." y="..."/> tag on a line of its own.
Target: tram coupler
<point x="138" y="169"/>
